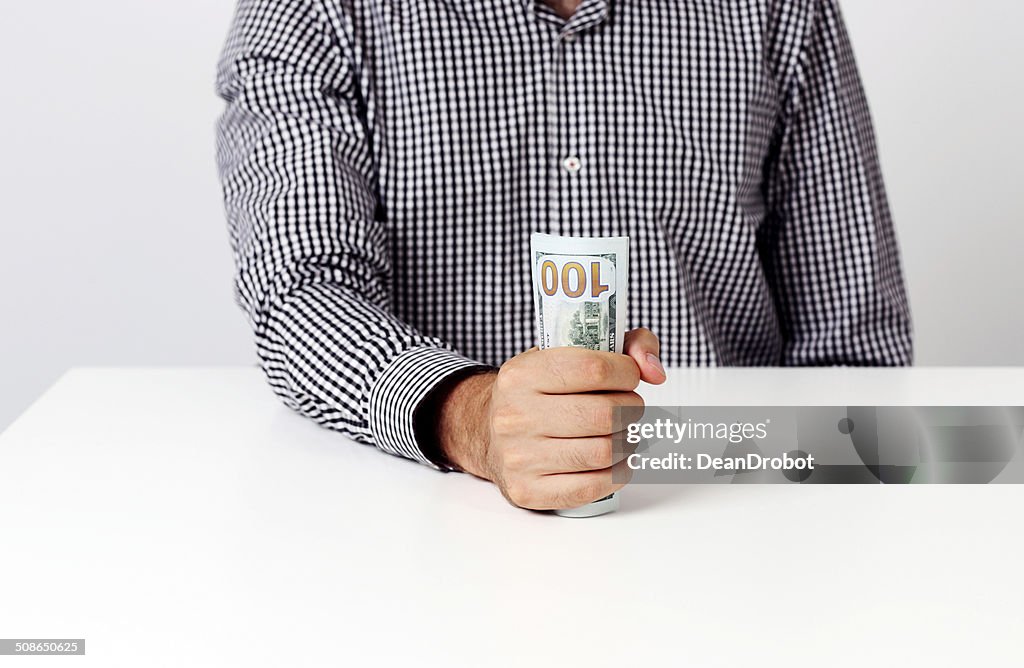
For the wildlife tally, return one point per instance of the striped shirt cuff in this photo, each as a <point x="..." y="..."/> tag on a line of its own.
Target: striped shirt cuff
<point x="400" y="390"/>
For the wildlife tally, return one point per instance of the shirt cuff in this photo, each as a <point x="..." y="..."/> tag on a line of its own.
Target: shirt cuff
<point x="400" y="390"/>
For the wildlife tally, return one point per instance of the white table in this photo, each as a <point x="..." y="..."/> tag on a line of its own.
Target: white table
<point x="185" y="518"/>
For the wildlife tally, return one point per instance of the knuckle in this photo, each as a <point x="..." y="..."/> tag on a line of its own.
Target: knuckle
<point x="510" y="374"/>
<point x="515" y="459"/>
<point x="506" y="420"/>
<point x="594" y="370"/>
<point x="603" y="416"/>
<point x="519" y="494"/>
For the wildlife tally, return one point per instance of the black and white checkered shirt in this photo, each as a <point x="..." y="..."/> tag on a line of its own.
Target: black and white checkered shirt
<point x="385" y="161"/>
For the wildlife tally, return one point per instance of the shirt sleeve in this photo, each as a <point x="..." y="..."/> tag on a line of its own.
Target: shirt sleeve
<point x="829" y="244"/>
<point x="313" y="262"/>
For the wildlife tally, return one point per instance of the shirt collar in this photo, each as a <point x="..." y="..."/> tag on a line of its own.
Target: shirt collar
<point x="589" y="14"/>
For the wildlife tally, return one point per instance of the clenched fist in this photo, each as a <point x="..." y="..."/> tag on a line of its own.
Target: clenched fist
<point x="541" y="428"/>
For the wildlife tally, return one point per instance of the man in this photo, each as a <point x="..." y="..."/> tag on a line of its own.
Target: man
<point x="385" y="161"/>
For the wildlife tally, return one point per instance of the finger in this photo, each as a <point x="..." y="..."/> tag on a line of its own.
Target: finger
<point x="585" y="415"/>
<point x="573" y="455"/>
<point x="573" y="490"/>
<point x="645" y="349"/>
<point x="576" y="370"/>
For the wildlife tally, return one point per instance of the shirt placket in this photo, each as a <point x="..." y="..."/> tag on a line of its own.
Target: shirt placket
<point x="569" y="152"/>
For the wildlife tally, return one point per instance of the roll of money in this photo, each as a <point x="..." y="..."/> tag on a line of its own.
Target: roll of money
<point x="580" y="286"/>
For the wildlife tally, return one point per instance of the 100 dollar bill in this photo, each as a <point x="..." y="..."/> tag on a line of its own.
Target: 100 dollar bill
<point x="580" y="287"/>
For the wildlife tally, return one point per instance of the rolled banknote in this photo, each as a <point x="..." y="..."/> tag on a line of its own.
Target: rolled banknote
<point x="580" y="287"/>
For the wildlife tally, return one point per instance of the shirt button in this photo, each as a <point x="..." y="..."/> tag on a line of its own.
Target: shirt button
<point x="572" y="164"/>
<point x="569" y="38"/>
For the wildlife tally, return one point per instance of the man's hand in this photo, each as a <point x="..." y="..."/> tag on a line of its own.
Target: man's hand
<point x="541" y="428"/>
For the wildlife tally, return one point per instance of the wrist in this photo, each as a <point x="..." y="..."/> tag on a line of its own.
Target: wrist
<point x="462" y="426"/>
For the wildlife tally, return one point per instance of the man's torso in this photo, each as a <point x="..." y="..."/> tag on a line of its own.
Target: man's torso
<point x="653" y="120"/>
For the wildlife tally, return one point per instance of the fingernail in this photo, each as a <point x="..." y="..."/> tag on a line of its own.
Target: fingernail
<point x="653" y="360"/>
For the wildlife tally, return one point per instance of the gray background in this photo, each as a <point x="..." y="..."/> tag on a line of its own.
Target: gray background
<point x="112" y="240"/>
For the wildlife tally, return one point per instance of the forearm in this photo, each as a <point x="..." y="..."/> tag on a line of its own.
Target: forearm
<point x="353" y="367"/>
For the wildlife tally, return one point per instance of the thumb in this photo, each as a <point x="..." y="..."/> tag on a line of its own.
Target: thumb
<point x="643" y="346"/>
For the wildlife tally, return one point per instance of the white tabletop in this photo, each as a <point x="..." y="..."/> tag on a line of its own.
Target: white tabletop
<point x="185" y="518"/>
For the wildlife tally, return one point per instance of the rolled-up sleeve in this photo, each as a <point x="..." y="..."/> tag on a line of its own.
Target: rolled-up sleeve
<point x="313" y="261"/>
<point x="829" y="243"/>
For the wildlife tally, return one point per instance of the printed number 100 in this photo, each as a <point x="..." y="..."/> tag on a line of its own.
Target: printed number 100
<point x="573" y="280"/>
